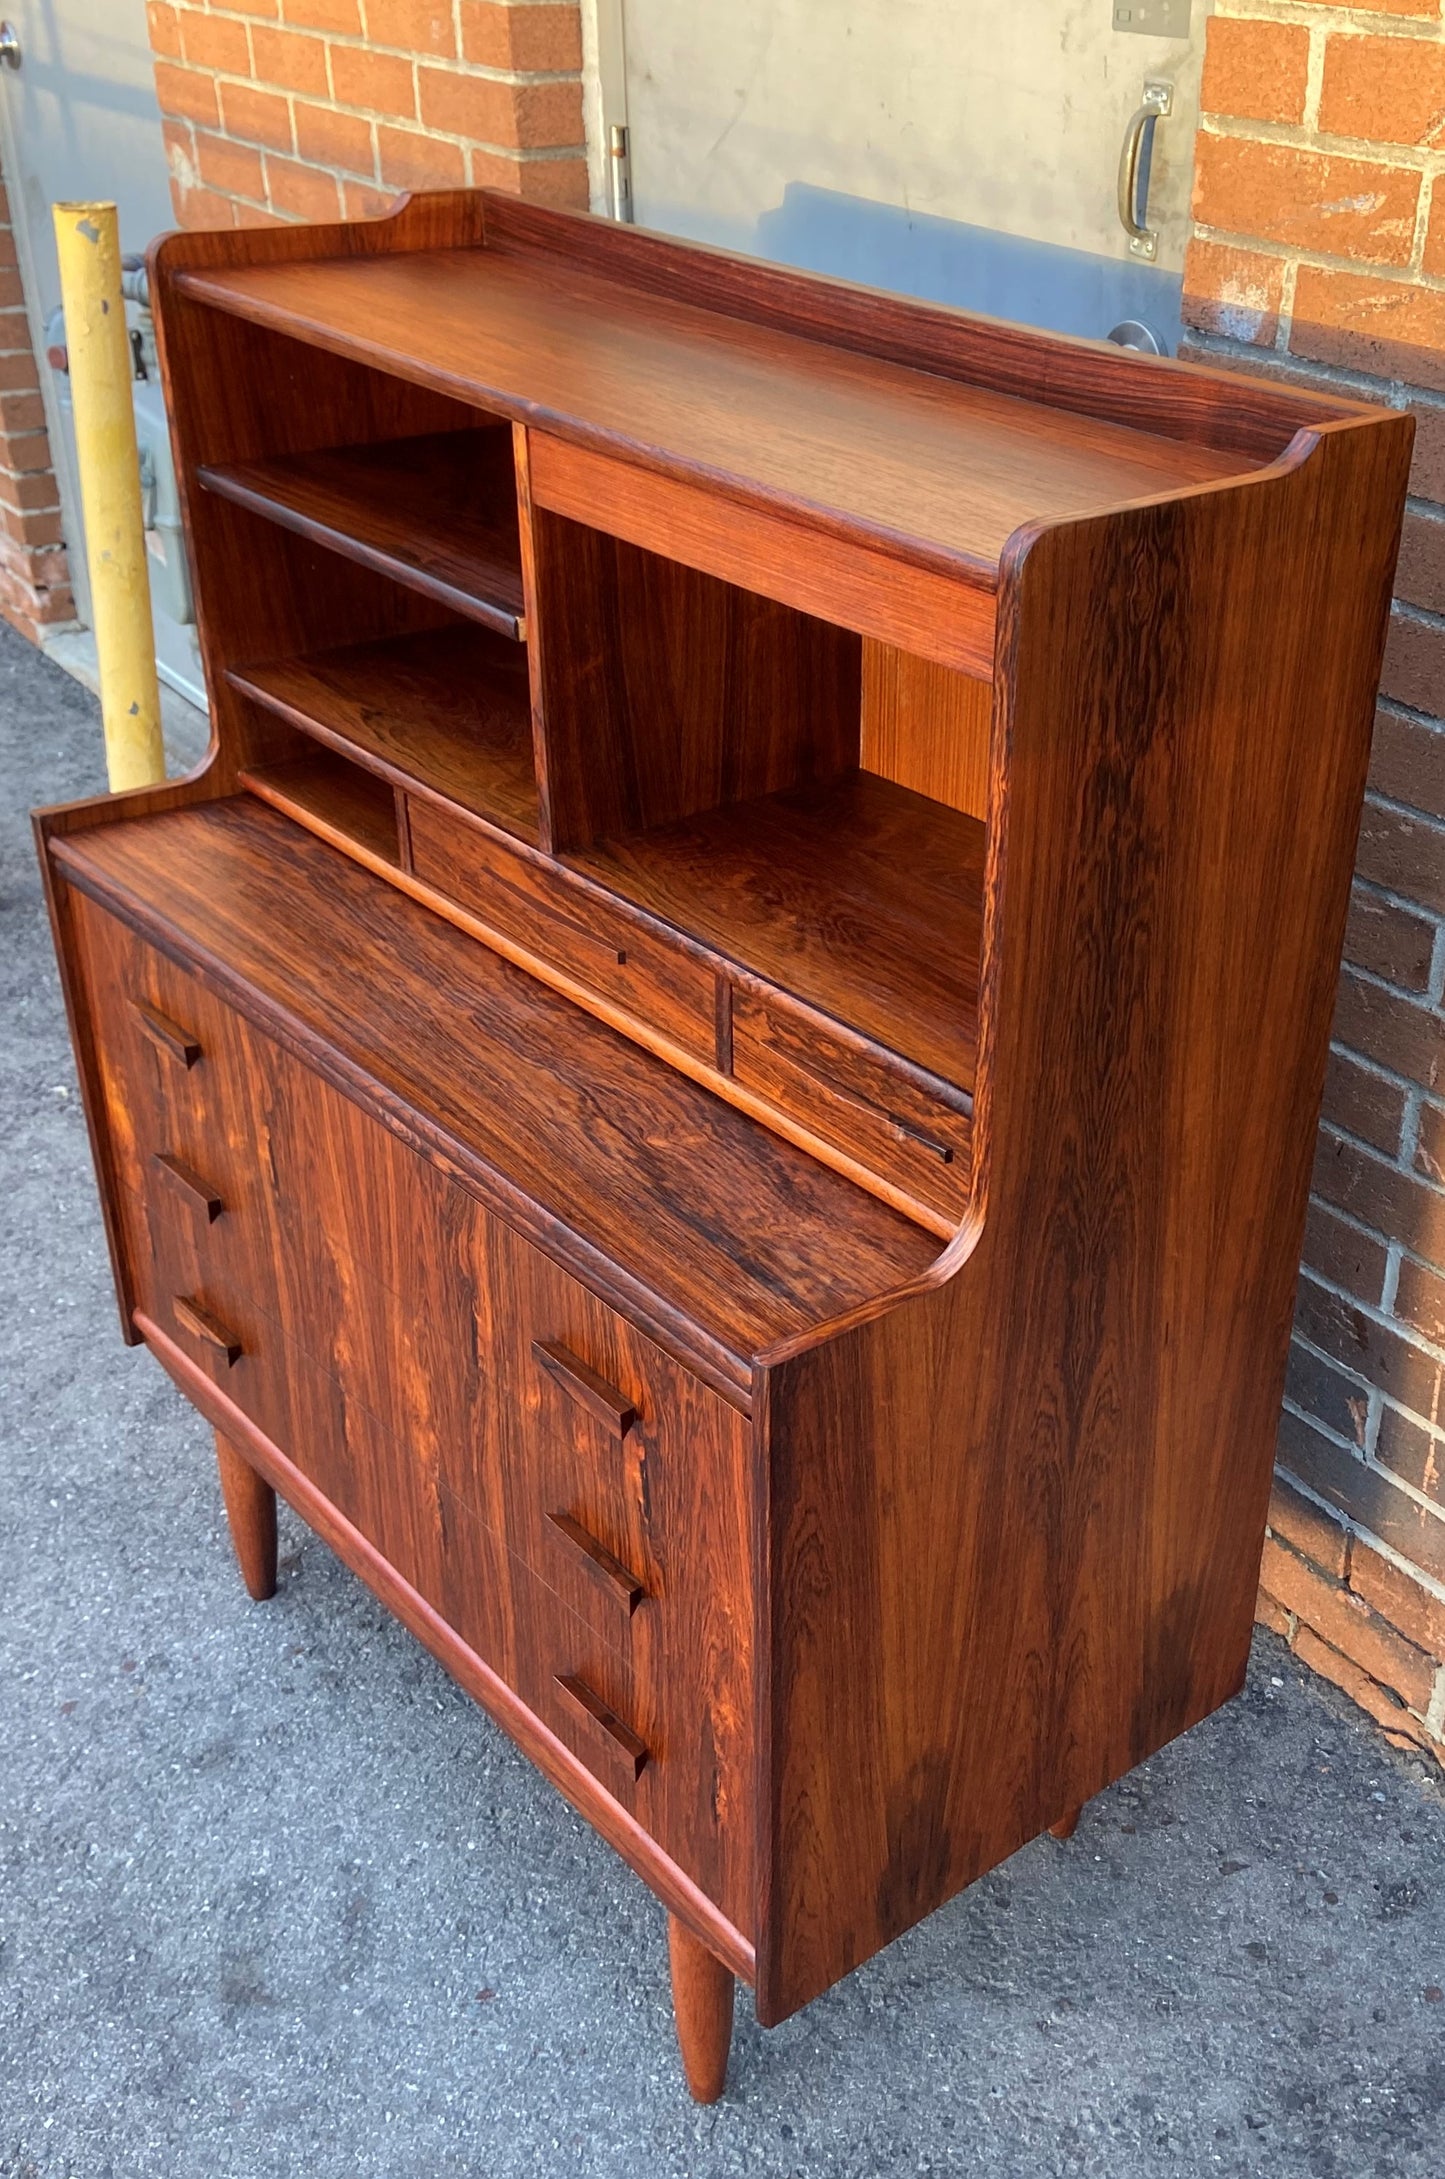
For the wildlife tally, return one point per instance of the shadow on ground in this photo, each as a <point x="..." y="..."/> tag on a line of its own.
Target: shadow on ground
<point x="277" y="1900"/>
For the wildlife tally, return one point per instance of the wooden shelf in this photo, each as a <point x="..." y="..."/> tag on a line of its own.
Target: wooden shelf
<point x="862" y="898"/>
<point x="438" y="513"/>
<point x="719" y="1236"/>
<point x="350" y="808"/>
<point x="444" y="713"/>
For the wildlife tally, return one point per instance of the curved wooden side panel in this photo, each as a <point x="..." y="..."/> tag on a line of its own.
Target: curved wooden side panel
<point x="1016" y="1521"/>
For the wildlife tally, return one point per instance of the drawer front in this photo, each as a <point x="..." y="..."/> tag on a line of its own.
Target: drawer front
<point x="574" y="1502"/>
<point x="659" y="985"/>
<point x="849" y="1093"/>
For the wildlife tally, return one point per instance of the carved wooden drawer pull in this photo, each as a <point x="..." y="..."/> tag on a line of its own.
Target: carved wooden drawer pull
<point x="188" y="1183"/>
<point x="602" y="1401"/>
<point x="609" y="1573"/>
<point x="209" y="1329"/>
<point x="621" y="1739"/>
<point x="167" y="1036"/>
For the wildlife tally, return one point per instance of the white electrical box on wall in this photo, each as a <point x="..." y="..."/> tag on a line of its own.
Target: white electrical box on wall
<point x="1153" y="18"/>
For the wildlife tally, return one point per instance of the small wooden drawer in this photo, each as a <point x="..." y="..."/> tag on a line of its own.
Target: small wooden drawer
<point x="562" y="924"/>
<point x="895" y="1120"/>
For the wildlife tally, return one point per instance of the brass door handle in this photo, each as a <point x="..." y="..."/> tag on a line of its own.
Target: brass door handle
<point x="1158" y="104"/>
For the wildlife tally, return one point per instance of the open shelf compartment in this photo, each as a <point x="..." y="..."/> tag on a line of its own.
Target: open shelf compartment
<point x="437" y="512"/>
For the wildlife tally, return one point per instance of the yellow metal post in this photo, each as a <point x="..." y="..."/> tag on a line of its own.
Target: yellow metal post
<point x="88" y="240"/>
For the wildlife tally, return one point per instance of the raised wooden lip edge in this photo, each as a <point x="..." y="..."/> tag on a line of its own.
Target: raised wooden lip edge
<point x="220" y="479"/>
<point x="622" y="1832"/>
<point x="727" y="1087"/>
<point x="667" y="1326"/>
<point x="647" y="260"/>
<point x="217" y="293"/>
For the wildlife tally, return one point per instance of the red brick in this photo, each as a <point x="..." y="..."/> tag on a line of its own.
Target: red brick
<point x="1343" y="1254"/>
<point x="21" y="412"/>
<point x="17" y="371"/>
<point x="1367" y="1496"/>
<point x="1389" y="942"/>
<point x="546" y="40"/>
<point x="1430" y="1144"/>
<point x="1347" y="1623"/>
<point x="233" y="168"/>
<point x="409" y="160"/>
<point x="1347" y="207"/>
<point x="259" y="117"/>
<point x="1390" y="1029"/>
<point x="339" y="15"/>
<point x="1414" y="668"/>
<point x="560" y="182"/>
<point x="1405" y="1602"/>
<point x="1232" y="292"/>
<point x="30" y="492"/>
<point x="1400" y="851"/>
<point x="12" y="288"/>
<point x="1434" y="257"/>
<point x="377" y="82"/>
<point x="414" y="26"/>
<point x="1326" y="1395"/>
<point x="1386" y="90"/>
<point x="1427" y="470"/>
<point x="304" y="192"/>
<point x="1362" y="1103"/>
<point x="1384" y="327"/>
<point x="1407" y="762"/>
<point x="1386" y="1709"/>
<point x="260" y="10"/>
<point x="186" y="93"/>
<point x="256" y="215"/>
<point x="474" y="106"/>
<point x="291" y="61"/>
<point x="1420" y="575"/>
<point x="164" y="29"/>
<point x="202" y="208"/>
<point x="329" y="138"/>
<point x="1428" y="8"/>
<point x="1315" y="1534"/>
<point x="1269" y="1613"/>
<point x="215" y="41"/>
<point x="1409" y="1449"/>
<point x="361" y="201"/>
<point x="34" y="531"/>
<point x="1255" y="71"/>
<point x="1371" y="1348"/>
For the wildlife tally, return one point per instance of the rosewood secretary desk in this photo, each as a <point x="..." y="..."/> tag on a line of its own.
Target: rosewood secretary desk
<point x="716" y="1075"/>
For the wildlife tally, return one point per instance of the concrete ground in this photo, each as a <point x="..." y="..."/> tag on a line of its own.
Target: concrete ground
<point x="278" y="1900"/>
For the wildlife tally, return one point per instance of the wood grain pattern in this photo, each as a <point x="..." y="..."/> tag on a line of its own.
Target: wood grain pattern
<point x="665" y="692"/>
<point x="730" y="1240"/>
<point x="1019" y="1515"/>
<point x="532" y="903"/>
<point x="251" y="1513"/>
<point x="926" y="727"/>
<point x="334" y="799"/>
<point x="856" y="445"/>
<point x="942" y="613"/>
<point x="859" y="897"/>
<point x="436" y="512"/>
<point x="537" y="1740"/>
<point x="442" y="713"/>
<point x="702" y="2006"/>
<point x="1252" y="416"/>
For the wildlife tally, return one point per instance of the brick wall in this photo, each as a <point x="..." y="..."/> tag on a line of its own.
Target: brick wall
<point x="34" y="583"/>
<point x="319" y="109"/>
<point x="1319" y="255"/>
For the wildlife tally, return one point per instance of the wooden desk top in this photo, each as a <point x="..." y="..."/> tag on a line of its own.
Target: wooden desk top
<point x="720" y="1237"/>
<point x="943" y="470"/>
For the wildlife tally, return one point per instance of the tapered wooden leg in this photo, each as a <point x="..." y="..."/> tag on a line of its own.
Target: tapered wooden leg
<point x="702" y="2005"/>
<point x="251" y="1511"/>
<point x="1067" y="1825"/>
